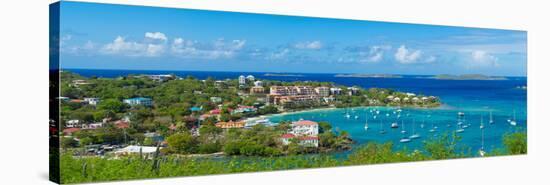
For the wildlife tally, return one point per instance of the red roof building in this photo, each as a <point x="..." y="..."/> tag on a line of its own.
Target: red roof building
<point x="70" y="131"/>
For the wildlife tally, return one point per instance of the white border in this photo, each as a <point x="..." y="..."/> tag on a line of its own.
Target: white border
<point x="24" y="90"/>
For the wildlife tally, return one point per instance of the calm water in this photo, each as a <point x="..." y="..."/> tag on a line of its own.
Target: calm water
<point x="476" y="98"/>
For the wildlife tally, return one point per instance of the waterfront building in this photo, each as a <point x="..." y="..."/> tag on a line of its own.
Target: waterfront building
<point x="287" y="95"/>
<point x="322" y="91"/>
<point x="139" y="101"/>
<point x="335" y="90"/>
<point x="307" y="141"/>
<point x="353" y="91"/>
<point x="305" y="128"/>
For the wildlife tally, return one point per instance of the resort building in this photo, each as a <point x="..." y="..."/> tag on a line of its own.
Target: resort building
<point x="139" y="101"/>
<point x="92" y="101"/>
<point x="230" y="124"/>
<point x="322" y="91"/>
<point x="353" y="91"/>
<point x="257" y="90"/>
<point x="305" y="128"/>
<point x="288" y="95"/>
<point x="307" y="141"/>
<point x="335" y="91"/>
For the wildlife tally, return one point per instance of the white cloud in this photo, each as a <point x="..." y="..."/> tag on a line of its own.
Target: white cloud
<point x="407" y="56"/>
<point x="279" y="54"/>
<point x="131" y="48"/>
<point x="156" y="36"/>
<point x="375" y="54"/>
<point x="219" y="49"/>
<point x="309" y="45"/>
<point x="480" y="58"/>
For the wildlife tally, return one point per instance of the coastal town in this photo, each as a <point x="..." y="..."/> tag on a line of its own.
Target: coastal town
<point x="140" y="111"/>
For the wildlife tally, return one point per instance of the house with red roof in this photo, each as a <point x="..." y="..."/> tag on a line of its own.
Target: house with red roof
<point x="305" y="128"/>
<point x="70" y="131"/>
<point x="121" y="124"/>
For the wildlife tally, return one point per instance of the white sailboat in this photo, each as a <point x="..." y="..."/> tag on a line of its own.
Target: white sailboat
<point x="382" y="130"/>
<point x="367" y="121"/>
<point x="433" y="128"/>
<point x="491" y="121"/>
<point x="404" y="139"/>
<point x="394" y="125"/>
<point x="513" y="121"/>
<point x="481" y="126"/>
<point x="481" y="150"/>
<point x="414" y="134"/>
<point x="403" y="127"/>
<point x="459" y="128"/>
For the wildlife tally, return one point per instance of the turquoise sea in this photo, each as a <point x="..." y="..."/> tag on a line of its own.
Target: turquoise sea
<point x="475" y="98"/>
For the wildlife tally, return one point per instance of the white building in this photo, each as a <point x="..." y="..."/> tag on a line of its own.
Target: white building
<point x="305" y="128"/>
<point x="134" y="149"/>
<point x="92" y="101"/>
<point x="335" y="90"/>
<point x="250" y="78"/>
<point x="72" y="123"/>
<point x="242" y="80"/>
<point x="322" y="91"/>
<point x="258" y="83"/>
<point x="139" y="101"/>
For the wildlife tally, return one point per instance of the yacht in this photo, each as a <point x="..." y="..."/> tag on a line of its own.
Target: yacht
<point x="513" y="121"/>
<point x="414" y="134"/>
<point x="394" y="125"/>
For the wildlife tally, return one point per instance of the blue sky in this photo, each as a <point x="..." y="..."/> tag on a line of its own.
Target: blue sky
<point x="102" y="36"/>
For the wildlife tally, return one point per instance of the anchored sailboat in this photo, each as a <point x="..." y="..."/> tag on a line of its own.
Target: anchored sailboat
<point x="513" y="121"/>
<point x="481" y="150"/>
<point x="414" y="134"/>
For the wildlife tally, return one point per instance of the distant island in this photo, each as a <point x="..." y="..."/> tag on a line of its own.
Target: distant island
<point x="368" y="76"/>
<point x="282" y="74"/>
<point x="466" y="77"/>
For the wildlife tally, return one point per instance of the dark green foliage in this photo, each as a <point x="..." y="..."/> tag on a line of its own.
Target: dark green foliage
<point x="516" y="143"/>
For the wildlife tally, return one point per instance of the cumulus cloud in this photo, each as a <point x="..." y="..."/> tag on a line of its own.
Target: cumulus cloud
<point x="132" y="48"/>
<point x="480" y="58"/>
<point x="309" y="45"/>
<point x="375" y="54"/>
<point x="156" y="36"/>
<point x="219" y="49"/>
<point x="407" y="56"/>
